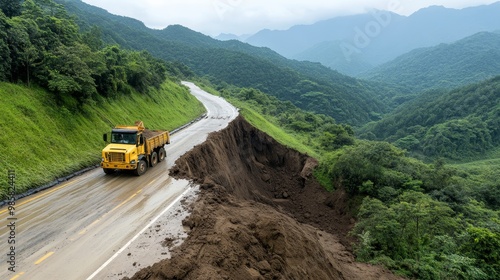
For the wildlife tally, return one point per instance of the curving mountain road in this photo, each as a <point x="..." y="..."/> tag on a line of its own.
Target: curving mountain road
<point x="94" y="225"/>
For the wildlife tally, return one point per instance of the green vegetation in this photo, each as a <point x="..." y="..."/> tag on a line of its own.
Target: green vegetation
<point x="461" y="124"/>
<point x="466" y="61"/>
<point x="43" y="141"/>
<point x="304" y="131"/>
<point x="41" y="45"/>
<point x="287" y="139"/>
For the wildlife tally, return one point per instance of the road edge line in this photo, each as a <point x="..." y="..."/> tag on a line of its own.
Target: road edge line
<point x="138" y="234"/>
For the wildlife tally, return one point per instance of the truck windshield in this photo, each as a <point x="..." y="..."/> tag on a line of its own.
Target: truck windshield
<point x="123" y="138"/>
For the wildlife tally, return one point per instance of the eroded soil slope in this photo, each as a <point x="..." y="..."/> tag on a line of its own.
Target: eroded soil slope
<point x="260" y="215"/>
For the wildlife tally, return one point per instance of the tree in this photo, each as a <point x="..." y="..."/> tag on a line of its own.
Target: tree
<point x="68" y="75"/>
<point x="379" y="222"/>
<point x="113" y="78"/>
<point x="406" y="232"/>
<point x="484" y="245"/>
<point x="11" y="8"/>
<point x="374" y="161"/>
<point x="93" y="38"/>
<point x="421" y="218"/>
<point x="5" y="59"/>
<point x="20" y="47"/>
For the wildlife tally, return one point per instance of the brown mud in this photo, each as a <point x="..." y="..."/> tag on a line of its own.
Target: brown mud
<point x="260" y="215"/>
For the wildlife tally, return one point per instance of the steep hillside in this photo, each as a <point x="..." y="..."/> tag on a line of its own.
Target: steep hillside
<point x="346" y="99"/>
<point x="43" y="141"/>
<point x="458" y="124"/>
<point x="466" y="61"/>
<point x="390" y="35"/>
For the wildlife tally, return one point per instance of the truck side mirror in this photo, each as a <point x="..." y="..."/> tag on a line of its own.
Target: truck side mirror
<point x="141" y="141"/>
<point x="105" y="137"/>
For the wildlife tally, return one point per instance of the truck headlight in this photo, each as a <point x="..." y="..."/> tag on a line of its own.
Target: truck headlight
<point x="102" y="159"/>
<point x="132" y="161"/>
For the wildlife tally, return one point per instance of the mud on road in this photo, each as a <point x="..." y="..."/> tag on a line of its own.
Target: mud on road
<point x="260" y="215"/>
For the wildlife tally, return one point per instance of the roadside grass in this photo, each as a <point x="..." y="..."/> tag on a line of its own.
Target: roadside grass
<point x="41" y="141"/>
<point x="283" y="137"/>
<point x="267" y="124"/>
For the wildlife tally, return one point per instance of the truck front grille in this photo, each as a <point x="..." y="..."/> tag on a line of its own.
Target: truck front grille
<point x="116" y="157"/>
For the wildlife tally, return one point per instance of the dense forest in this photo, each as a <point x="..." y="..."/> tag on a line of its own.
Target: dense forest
<point x="466" y="61"/>
<point x="457" y="124"/>
<point x="40" y="44"/>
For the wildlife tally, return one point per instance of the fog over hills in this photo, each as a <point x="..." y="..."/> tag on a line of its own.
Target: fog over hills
<point x="354" y="44"/>
<point x="472" y="59"/>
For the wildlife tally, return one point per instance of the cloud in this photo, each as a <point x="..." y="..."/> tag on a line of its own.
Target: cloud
<point x="249" y="16"/>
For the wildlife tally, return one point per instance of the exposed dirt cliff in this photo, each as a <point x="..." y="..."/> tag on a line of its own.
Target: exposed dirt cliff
<point x="260" y="215"/>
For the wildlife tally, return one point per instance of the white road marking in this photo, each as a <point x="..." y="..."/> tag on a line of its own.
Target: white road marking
<point x="137" y="235"/>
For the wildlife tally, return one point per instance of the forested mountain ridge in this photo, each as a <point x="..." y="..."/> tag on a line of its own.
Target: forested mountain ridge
<point x="342" y="43"/>
<point x="41" y="44"/>
<point x="458" y="124"/>
<point x="466" y="61"/>
<point x="308" y="85"/>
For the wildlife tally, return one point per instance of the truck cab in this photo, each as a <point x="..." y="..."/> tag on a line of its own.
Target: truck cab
<point x="133" y="148"/>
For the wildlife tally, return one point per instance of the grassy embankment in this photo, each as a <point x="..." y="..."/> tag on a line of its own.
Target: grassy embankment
<point x="41" y="141"/>
<point x="267" y="125"/>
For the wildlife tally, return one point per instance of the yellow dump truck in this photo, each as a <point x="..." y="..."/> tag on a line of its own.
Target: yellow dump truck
<point x="134" y="148"/>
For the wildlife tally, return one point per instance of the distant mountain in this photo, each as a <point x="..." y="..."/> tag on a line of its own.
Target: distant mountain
<point x="310" y="86"/>
<point x="227" y="37"/>
<point x="377" y="37"/>
<point x="466" y="61"/>
<point x="461" y="123"/>
<point x="330" y="54"/>
<point x="302" y="37"/>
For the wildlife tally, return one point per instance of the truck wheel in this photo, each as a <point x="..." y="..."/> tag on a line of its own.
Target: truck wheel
<point x="142" y="167"/>
<point x="161" y="155"/>
<point x="153" y="159"/>
<point x="108" y="170"/>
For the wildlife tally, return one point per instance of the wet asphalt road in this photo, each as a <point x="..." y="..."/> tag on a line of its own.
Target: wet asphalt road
<point x="77" y="229"/>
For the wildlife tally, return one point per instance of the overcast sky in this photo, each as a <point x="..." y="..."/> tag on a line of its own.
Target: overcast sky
<point x="213" y="17"/>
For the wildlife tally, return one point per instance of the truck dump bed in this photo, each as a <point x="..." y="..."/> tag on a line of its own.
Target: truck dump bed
<point x="155" y="139"/>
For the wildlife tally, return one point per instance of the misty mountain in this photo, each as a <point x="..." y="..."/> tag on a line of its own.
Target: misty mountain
<point x="350" y="44"/>
<point x="299" y="38"/>
<point x="308" y="85"/>
<point x="228" y="36"/>
<point x="331" y="55"/>
<point x="466" y="61"/>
